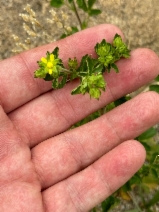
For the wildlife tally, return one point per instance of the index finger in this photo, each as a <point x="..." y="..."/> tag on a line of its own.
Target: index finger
<point x="18" y="85"/>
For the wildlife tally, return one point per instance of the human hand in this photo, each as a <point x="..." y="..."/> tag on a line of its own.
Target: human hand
<point x="43" y="166"/>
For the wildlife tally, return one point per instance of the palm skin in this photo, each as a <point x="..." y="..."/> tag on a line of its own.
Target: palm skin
<point x="44" y="167"/>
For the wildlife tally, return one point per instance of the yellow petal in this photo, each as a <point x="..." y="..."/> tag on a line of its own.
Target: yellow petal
<point x="50" y="71"/>
<point x="51" y="57"/>
<point x="44" y="60"/>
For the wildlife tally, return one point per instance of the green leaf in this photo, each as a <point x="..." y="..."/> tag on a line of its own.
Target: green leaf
<point x="91" y="3"/>
<point x="121" y="100"/>
<point x="72" y="63"/>
<point x="157" y="78"/>
<point x="99" y="68"/>
<point x="39" y="74"/>
<point x="114" y="66"/>
<point x="76" y="90"/>
<point x="147" y="147"/>
<point x="135" y="180"/>
<point x="150" y="180"/>
<point x="91" y="84"/>
<point x="82" y="5"/>
<point x="74" y="29"/>
<point x="48" y="77"/>
<point x="55" y="52"/>
<point x="56" y="3"/>
<point x="64" y="35"/>
<point x="110" y="107"/>
<point x="59" y="82"/>
<point x="109" y="203"/>
<point x="95" y="93"/>
<point x="105" y="51"/>
<point x="84" y="24"/>
<point x="148" y="134"/>
<point x="86" y="66"/>
<point x="70" y="1"/>
<point x="94" y="12"/>
<point x="154" y="88"/>
<point x="121" y="48"/>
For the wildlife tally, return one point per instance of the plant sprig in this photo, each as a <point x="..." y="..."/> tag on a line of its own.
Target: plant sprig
<point x="86" y="5"/>
<point x="89" y="71"/>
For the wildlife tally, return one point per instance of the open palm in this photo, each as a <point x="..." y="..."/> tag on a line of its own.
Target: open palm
<point x="44" y="167"/>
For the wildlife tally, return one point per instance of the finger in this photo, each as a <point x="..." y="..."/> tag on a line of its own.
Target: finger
<point x="76" y="149"/>
<point x="7" y="135"/>
<point x="55" y="112"/>
<point x="10" y="152"/>
<point x="17" y="81"/>
<point x="86" y="189"/>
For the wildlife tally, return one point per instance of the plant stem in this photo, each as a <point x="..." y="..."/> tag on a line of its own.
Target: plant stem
<point x="77" y="15"/>
<point x="65" y="70"/>
<point x="134" y="200"/>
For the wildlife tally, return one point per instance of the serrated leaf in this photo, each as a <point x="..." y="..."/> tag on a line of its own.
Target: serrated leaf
<point x="114" y="66"/>
<point x="86" y="66"/>
<point x="91" y="3"/>
<point x="76" y="90"/>
<point x="55" y="52"/>
<point x="63" y="81"/>
<point x="58" y="83"/>
<point x="94" y="12"/>
<point x="89" y="63"/>
<point x="83" y="66"/>
<point x="105" y="51"/>
<point x="56" y="3"/>
<point x="40" y="73"/>
<point x="148" y="134"/>
<point x="48" y="77"/>
<point x="98" y="68"/>
<point x="121" y="48"/>
<point x="154" y="88"/>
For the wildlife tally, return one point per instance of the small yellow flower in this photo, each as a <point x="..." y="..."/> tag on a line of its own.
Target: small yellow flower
<point x="50" y="63"/>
